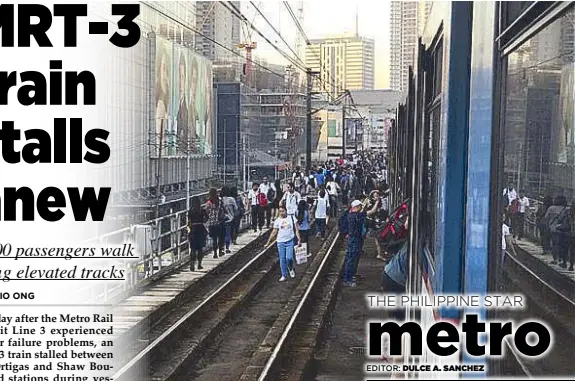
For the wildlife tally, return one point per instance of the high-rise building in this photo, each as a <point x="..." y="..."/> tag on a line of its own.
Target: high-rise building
<point x="217" y="23"/>
<point x="345" y="62"/>
<point x="407" y="22"/>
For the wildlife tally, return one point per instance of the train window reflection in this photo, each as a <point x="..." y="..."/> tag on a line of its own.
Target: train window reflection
<point x="432" y="126"/>
<point x="539" y="156"/>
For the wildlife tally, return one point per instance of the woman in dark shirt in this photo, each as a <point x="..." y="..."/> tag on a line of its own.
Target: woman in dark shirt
<point x="197" y="233"/>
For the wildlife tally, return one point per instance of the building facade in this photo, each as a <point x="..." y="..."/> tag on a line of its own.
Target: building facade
<point x="407" y="22"/>
<point x="238" y="130"/>
<point x="376" y="109"/>
<point x="345" y="62"/>
<point x="160" y="93"/>
<point x="217" y="23"/>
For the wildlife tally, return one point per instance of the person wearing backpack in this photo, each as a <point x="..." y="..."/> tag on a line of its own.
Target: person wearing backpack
<point x="230" y="209"/>
<point x="298" y="180"/>
<point x="216" y="219"/>
<point x="268" y="191"/>
<point x="321" y="206"/>
<point x="291" y="200"/>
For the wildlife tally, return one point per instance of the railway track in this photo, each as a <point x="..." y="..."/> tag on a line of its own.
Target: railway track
<point x="134" y="347"/>
<point x="293" y="358"/>
<point x="547" y="301"/>
<point x="228" y="334"/>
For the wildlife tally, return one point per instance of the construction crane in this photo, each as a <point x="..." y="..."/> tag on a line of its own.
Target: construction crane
<point x="248" y="46"/>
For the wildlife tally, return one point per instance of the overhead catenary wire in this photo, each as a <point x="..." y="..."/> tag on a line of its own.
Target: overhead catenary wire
<point x="276" y="31"/>
<point x="331" y="81"/>
<point x="211" y="39"/>
<point x="297" y="24"/>
<point x="243" y="18"/>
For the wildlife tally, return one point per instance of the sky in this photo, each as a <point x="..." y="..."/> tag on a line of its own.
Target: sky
<point x="322" y="18"/>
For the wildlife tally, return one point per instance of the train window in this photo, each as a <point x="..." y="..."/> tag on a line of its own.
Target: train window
<point x="539" y="138"/>
<point x="434" y="77"/>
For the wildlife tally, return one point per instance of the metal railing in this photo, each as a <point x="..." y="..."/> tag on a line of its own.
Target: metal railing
<point x="169" y="243"/>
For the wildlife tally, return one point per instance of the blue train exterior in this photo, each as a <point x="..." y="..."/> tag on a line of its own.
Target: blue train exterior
<point x="447" y="146"/>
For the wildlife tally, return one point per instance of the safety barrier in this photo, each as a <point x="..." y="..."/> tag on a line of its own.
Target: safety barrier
<point x="169" y="250"/>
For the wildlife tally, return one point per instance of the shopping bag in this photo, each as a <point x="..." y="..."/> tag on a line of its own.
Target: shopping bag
<point x="301" y="253"/>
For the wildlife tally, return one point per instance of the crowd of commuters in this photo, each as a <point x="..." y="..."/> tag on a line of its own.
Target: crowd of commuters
<point x="554" y="220"/>
<point x="297" y="208"/>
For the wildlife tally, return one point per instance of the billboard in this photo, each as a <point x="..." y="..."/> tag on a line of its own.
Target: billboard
<point x="184" y="101"/>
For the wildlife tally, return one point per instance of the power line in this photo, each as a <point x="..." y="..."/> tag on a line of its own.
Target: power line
<point x="331" y="81"/>
<point x="297" y="24"/>
<point x="241" y="16"/>
<point x="210" y="39"/>
<point x="276" y="31"/>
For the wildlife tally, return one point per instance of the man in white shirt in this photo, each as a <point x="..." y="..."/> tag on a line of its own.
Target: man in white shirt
<point x="321" y="207"/>
<point x="253" y="200"/>
<point x="265" y="189"/>
<point x="510" y="193"/>
<point x="332" y="189"/>
<point x="522" y="208"/>
<point x="291" y="199"/>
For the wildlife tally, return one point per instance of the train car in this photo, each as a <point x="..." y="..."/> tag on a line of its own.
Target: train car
<point x="489" y="104"/>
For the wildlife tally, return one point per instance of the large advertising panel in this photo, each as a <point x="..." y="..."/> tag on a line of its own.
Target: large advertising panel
<point x="184" y="101"/>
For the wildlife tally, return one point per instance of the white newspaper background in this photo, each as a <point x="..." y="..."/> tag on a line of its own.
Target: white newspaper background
<point x="61" y="314"/>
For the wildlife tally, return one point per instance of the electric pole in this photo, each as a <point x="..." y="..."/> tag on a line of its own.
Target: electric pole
<point x="343" y="125"/>
<point x="308" y="127"/>
<point x="159" y="168"/>
<point x="244" y="147"/>
<point x="188" y="159"/>
<point x="225" y="153"/>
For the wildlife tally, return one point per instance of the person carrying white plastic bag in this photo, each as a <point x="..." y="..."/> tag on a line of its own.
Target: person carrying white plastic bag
<point x="286" y="231"/>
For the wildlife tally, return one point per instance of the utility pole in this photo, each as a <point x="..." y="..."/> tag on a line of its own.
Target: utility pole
<point x="244" y="161"/>
<point x="159" y="168"/>
<point x="225" y="166"/>
<point x="343" y="125"/>
<point x="188" y="159"/>
<point x="308" y="129"/>
<point x="276" y="156"/>
<point x="355" y="133"/>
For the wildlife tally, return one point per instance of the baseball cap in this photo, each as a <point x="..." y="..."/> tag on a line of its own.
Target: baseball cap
<point x="355" y="204"/>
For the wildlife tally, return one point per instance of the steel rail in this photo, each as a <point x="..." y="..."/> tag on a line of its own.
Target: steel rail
<point x="296" y="313"/>
<point x="184" y="318"/>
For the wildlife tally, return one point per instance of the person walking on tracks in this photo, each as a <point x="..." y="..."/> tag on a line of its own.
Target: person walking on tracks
<point x="291" y="199"/>
<point x="197" y="233"/>
<point x="267" y="191"/>
<point x="253" y="196"/>
<point x="321" y="208"/>
<point x="231" y="210"/>
<point x="285" y="229"/>
<point x="216" y="219"/>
